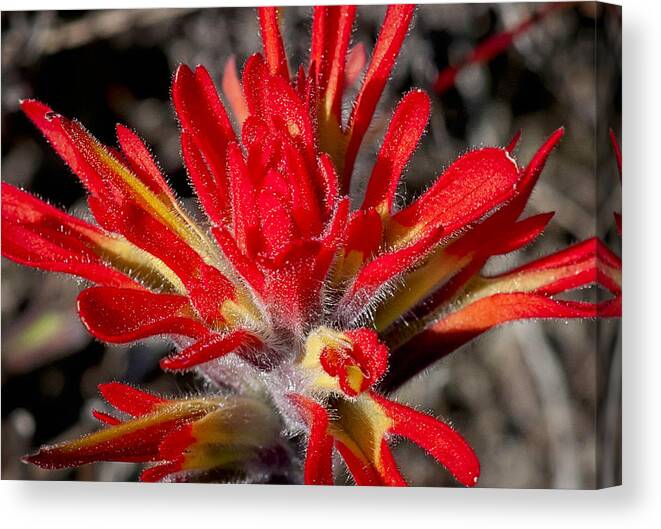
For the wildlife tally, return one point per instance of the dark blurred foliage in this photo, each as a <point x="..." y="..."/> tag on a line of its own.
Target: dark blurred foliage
<point x="525" y="395"/>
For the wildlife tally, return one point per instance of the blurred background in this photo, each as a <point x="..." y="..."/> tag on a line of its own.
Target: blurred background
<point x="539" y="401"/>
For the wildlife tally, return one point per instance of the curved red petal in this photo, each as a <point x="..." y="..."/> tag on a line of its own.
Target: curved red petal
<point x="203" y="116"/>
<point x="209" y="348"/>
<point x="363" y="473"/>
<point x="105" y="418"/>
<point x="121" y="315"/>
<point x="141" y="162"/>
<point x="475" y="184"/>
<point x="158" y="472"/>
<point x="439" y="440"/>
<point x="331" y="33"/>
<point x="393" y="31"/>
<point x="203" y="181"/>
<point x="130" y="400"/>
<point x="136" y="440"/>
<point x="404" y="132"/>
<point x="274" y="48"/>
<point x="51" y="125"/>
<point x="319" y="452"/>
<point x="39" y="235"/>
<point x="376" y="274"/>
<point x="522" y="233"/>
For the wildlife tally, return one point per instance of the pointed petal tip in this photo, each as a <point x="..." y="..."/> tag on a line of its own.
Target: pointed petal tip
<point x="558" y="133"/>
<point x="121" y="129"/>
<point x="27" y="102"/>
<point x="34" y="108"/>
<point x="39" y="459"/>
<point x="182" y="71"/>
<point x="174" y="363"/>
<point x="201" y="70"/>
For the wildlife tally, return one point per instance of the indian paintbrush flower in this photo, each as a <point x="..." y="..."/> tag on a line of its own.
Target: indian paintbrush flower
<point x="300" y="306"/>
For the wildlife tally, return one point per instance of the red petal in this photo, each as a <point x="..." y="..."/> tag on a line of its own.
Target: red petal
<point x="105" y="418"/>
<point x="274" y="49"/>
<point x="244" y="208"/>
<point x="513" y="142"/>
<point x="123" y="204"/>
<point x="274" y="101"/>
<point x="376" y="274"/>
<point x="207" y="287"/>
<point x="203" y="116"/>
<point x="141" y="162"/>
<point x="393" y="30"/>
<point x="341" y="35"/>
<point x="330" y="181"/>
<point x="473" y="185"/>
<point x="130" y="400"/>
<point x="360" y="430"/>
<point x="115" y="190"/>
<point x="36" y="234"/>
<point x="319" y="452"/>
<point x="330" y="42"/>
<point x="245" y="266"/>
<point x="363" y="473"/>
<point x="581" y="264"/>
<point x="157" y="473"/>
<point x="522" y="233"/>
<point x="210" y="348"/>
<point x="404" y="132"/>
<point x="521" y="294"/>
<point x="51" y="125"/>
<point x="292" y="286"/>
<point x="131" y="441"/>
<point x="318" y="46"/>
<point x="534" y="170"/>
<point x="439" y="440"/>
<point x="305" y="204"/>
<point x="331" y="240"/>
<point x="364" y="236"/>
<point x="468" y="323"/>
<point x="255" y="74"/>
<point x="277" y="224"/>
<point x="121" y="315"/>
<point x="367" y="353"/>
<point x="203" y="181"/>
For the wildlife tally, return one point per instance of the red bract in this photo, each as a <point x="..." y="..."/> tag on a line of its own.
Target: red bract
<point x="294" y="307"/>
<point x="198" y="434"/>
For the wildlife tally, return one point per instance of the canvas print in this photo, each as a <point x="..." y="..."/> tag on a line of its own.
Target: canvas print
<point x="320" y="245"/>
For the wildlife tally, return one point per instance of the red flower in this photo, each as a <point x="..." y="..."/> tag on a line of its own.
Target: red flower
<point x="300" y="306"/>
<point x="200" y="434"/>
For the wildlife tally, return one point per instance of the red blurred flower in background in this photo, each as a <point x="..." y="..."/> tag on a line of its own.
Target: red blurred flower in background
<point x="300" y="305"/>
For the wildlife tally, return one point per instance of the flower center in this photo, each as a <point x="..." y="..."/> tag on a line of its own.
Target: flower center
<point x="349" y="361"/>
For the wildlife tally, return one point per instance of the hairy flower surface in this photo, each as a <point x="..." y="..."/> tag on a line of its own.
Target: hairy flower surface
<point x="299" y="305"/>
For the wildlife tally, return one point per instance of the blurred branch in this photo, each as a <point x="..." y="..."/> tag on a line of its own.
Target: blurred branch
<point x="97" y="25"/>
<point x="555" y="404"/>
